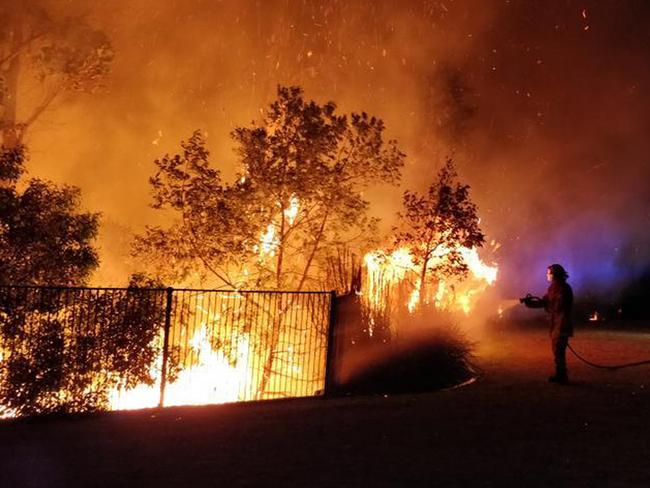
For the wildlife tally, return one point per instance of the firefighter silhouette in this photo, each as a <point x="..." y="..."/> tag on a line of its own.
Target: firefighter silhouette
<point x="558" y="303"/>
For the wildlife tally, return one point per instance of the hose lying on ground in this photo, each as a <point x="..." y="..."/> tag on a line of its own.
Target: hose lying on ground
<point x="607" y="366"/>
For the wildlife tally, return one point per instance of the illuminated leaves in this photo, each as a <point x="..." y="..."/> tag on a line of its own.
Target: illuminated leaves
<point x="215" y="223"/>
<point x="305" y="151"/>
<point x="297" y="197"/>
<point x="436" y="225"/>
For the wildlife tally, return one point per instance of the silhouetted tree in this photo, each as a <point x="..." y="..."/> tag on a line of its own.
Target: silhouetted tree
<point x="65" y="351"/>
<point x="436" y="225"/>
<point x="44" y="238"/>
<point x="299" y="194"/>
<point x="297" y="197"/>
<point x="42" y="58"/>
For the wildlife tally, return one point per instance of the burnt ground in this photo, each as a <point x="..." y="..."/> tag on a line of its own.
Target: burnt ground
<point x="509" y="428"/>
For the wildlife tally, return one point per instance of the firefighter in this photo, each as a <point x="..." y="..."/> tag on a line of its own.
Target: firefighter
<point x="558" y="303"/>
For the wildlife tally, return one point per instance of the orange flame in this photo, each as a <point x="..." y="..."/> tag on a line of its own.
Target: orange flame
<point x="211" y="380"/>
<point x="388" y="271"/>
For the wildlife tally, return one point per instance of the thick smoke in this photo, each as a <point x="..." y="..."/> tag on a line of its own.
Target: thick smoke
<point x="544" y="106"/>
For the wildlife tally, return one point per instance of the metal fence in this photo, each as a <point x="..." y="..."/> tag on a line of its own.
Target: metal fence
<point x="78" y="349"/>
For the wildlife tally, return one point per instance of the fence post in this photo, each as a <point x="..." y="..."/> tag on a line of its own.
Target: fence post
<point x="165" y="352"/>
<point x="331" y="346"/>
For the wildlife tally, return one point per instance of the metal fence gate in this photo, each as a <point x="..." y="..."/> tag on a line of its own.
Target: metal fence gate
<point x="81" y="349"/>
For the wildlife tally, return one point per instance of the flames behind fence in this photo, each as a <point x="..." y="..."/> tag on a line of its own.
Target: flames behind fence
<point x="80" y="349"/>
<point x="392" y="282"/>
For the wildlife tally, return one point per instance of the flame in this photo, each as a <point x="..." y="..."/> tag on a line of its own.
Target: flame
<point x="292" y="211"/>
<point x="268" y="242"/>
<point x="478" y="268"/>
<point x="210" y="376"/>
<point x="212" y="380"/>
<point x="5" y="412"/>
<point x="383" y="268"/>
<point x="388" y="272"/>
<point x="415" y="296"/>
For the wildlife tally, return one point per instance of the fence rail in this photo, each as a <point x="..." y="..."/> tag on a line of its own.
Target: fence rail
<point x="77" y="349"/>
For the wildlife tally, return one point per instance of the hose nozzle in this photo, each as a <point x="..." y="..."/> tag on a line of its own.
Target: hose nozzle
<point x="532" y="301"/>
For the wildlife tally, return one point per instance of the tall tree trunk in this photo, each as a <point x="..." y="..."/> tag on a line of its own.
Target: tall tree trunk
<point x="423" y="283"/>
<point x="277" y="321"/>
<point x="10" y="131"/>
<point x="279" y="263"/>
<point x="276" y="327"/>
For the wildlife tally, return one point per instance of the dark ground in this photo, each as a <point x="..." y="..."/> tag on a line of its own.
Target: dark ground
<point x="509" y="428"/>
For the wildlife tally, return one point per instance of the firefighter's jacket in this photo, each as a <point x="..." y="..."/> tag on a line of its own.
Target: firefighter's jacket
<point x="558" y="302"/>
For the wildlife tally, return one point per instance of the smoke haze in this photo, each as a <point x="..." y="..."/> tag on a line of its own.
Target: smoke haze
<point x="543" y="105"/>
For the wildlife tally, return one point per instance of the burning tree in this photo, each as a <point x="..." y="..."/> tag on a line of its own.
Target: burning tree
<point x="437" y="227"/>
<point x="434" y="248"/>
<point x="298" y="195"/>
<point x="297" y="198"/>
<point x="435" y="244"/>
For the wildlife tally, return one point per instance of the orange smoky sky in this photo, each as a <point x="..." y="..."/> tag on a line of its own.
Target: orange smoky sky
<point x="543" y="105"/>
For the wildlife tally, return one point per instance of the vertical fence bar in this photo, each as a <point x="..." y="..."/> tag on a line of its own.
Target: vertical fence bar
<point x="165" y="351"/>
<point x="331" y="346"/>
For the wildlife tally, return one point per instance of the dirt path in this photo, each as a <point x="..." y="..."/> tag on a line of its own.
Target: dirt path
<point x="510" y="428"/>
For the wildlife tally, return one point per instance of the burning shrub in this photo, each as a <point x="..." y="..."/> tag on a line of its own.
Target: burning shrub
<point x="67" y="355"/>
<point x="389" y="351"/>
<point x="431" y="354"/>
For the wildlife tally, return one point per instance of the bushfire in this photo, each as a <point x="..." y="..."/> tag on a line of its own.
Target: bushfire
<point x="254" y="346"/>
<point x="397" y="274"/>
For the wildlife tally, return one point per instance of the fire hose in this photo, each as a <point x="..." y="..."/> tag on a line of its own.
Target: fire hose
<point x="536" y="302"/>
<point x="611" y="367"/>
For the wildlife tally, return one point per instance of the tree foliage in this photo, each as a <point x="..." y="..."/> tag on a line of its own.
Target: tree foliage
<point x="42" y="58"/>
<point x="44" y="238"/>
<point x="298" y="195"/>
<point x="436" y="225"/>
<point x="65" y="350"/>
